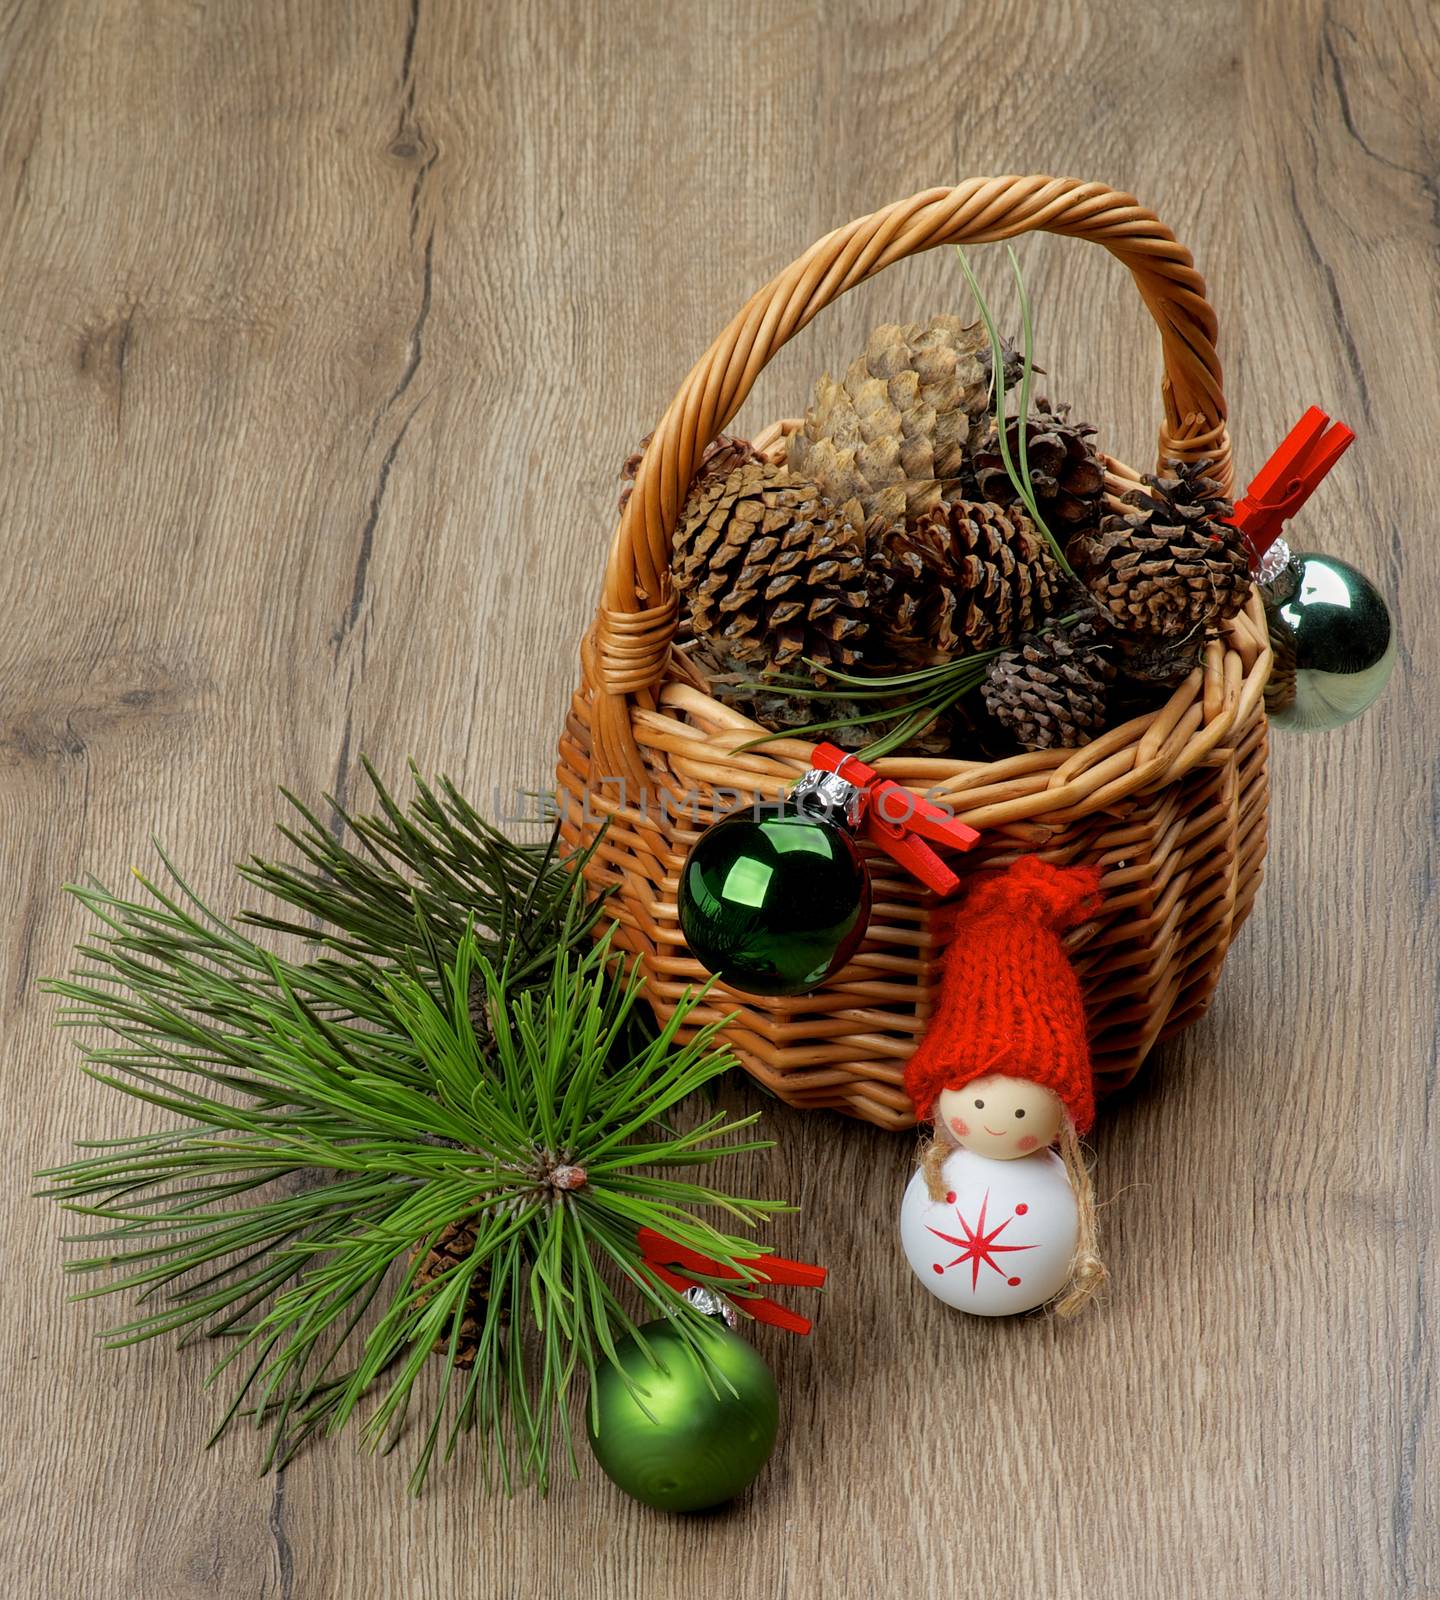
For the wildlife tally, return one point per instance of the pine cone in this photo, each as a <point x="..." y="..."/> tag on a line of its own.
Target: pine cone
<point x="1049" y="691"/>
<point x="1172" y="565"/>
<point x="899" y="421"/>
<point x="451" y="1248"/>
<point x="966" y="577"/>
<point x="1066" y="472"/>
<point x="771" y="572"/>
<point x="1161" y="661"/>
<point x="721" y="456"/>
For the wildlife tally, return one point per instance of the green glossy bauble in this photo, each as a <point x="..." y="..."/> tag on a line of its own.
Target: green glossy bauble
<point x="699" y="1446"/>
<point x="1333" y="641"/>
<point x="773" y="904"/>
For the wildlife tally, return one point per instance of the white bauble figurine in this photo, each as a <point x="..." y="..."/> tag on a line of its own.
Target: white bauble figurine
<point x="1002" y="1237"/>
<point x="995" y="1222"/>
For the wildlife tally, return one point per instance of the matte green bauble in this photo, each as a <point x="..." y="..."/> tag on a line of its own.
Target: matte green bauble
<point x="773" y="904"/>
<point x="1333" y="642"/>
<point x="700" y="1445"/>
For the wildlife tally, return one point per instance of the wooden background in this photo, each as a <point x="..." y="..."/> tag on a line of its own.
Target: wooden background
<point x="325" y="331"/>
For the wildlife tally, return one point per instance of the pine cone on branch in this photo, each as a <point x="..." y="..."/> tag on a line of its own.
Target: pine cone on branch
<point x="772" y="573"/>
<point x="1172" y="564"/>
<point x="1049" y="691"/>
<point x="965" y="577"/>
<point x="452" y="1248"/>
<point x="1066" y="472"/>
<point x="898" y="422"/>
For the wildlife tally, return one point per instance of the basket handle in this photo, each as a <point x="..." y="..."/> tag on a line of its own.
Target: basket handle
<point x="625" y="652"/>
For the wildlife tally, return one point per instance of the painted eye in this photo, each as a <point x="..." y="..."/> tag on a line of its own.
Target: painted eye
<point x="979" y="1105"/>
<point x="1020" y="1113"/>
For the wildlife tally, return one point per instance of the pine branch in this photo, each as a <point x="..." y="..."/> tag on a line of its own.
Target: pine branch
<point x="420" y="876"/>
<point x="333" y="1117"/>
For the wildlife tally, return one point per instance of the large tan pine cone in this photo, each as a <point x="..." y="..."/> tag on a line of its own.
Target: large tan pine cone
<point x="895" y="427"/>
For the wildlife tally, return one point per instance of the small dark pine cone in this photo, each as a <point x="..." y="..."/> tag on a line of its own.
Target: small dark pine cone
<point x="721" y="456"/>
<point x="964" y="577"/>
<point x="1172" y="565"/>
<point x="452" y="1248"/>
<point x="1066" y="472"/>
<point x="1049" y="691"/>
<point x="1166" y="662"/>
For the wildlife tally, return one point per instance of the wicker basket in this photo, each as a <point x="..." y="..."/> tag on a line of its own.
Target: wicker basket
<point x="1171" y="805"/>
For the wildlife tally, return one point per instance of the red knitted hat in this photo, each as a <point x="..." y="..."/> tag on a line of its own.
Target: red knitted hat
<point x="1009" y="998"/>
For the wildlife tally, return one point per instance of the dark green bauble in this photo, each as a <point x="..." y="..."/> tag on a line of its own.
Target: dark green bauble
<point x="703" y="1446"/>
<point x="773" y="904"/>
<point x="1333" y="641"/>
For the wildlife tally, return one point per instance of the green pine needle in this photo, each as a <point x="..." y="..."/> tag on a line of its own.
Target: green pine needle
<point x="1019" y="476"/>
<point x="911" y="700"/>
<point x="455" y="1038"/>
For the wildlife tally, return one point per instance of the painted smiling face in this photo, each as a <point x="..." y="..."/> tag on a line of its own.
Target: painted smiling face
<point x="1000" y="1117"/>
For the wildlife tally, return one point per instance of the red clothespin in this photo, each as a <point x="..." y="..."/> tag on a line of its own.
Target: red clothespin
<point x="1289" y="478"/>
<point x="661" y="1255"/>
<point x="899" y="821"/>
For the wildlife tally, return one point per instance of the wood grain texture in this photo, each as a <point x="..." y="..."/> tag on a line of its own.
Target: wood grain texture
<point x="326" y="331"/>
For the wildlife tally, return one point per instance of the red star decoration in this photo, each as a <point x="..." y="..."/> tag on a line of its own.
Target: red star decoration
<point x="978" y="1247"/>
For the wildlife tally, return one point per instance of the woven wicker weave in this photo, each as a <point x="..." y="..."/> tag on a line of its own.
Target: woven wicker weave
<point x="1171" y="805"/>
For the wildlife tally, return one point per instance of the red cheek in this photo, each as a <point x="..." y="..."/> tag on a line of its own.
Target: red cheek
<point x="960" y="1126"/>
<point x="1028" y="1142"/>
